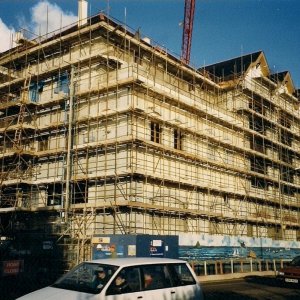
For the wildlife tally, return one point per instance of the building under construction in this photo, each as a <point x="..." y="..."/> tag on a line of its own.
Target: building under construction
<point x="104" y="132"/>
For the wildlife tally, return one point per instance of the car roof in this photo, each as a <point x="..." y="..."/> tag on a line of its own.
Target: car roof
<point x="130" y="261"/>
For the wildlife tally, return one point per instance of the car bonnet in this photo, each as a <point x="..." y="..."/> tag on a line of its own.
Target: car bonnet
<point x="51" y="293"/>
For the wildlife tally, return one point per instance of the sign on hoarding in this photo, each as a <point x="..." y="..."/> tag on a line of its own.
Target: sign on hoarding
<point x="12" y="267"/>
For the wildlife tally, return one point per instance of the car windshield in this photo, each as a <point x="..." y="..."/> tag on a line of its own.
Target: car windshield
<point x="86" y="277"/>
<point x="296" y="261"/>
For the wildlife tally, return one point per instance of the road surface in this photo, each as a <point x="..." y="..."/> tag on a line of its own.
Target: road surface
<point x="250" y="288"/>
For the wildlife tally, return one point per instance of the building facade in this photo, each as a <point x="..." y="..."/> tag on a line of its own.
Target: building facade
<point x="105" y="132"/>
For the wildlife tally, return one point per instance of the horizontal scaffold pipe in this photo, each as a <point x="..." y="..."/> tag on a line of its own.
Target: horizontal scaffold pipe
<point x="110" y="179"/>
<point x="151" y="145"/>
<point x="124" y="141"/>
<point x="249" y="93"/>
<point x="34" y="51"/>
<point x="121" y="205"/>
<point x="64" y="66"/>
<point x="232" y="123"/>
<point x="249" y="152"/>
<point x="255" y="113"/>
<point x="168" y="58"/>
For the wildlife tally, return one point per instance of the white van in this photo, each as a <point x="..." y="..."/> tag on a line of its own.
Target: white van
<point x="124" y="279"/>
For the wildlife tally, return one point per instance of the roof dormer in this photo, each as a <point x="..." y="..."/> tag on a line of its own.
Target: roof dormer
<point x="284" y="82"/>
<point x="253" y="65"/>
<point x="259" y="67"/>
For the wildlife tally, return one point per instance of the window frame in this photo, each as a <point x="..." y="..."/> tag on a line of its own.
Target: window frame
<point x="155" y="132"/>
<point x="110" y="290"/>
<point x="178" y="139"/>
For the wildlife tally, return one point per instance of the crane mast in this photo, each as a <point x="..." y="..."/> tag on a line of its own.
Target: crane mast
<point x="189" y="10"/>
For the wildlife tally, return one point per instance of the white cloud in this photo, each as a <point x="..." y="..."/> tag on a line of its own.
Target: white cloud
<point x="6" y="34"/>
<point x="39" y="23"/>
<point x="56" y="19"/>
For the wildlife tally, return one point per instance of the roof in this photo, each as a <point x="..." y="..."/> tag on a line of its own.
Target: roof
<point x="284" y="78"/>
<point x="57" y="35"/>
<point x="232" y="66"/>
<point x="135" y="261"/>
<point x="278" y="77"/>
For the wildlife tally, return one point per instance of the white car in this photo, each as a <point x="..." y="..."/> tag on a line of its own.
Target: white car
<point x="124" y="279"/>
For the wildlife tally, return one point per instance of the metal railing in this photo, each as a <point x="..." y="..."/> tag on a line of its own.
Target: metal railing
<point x="231" y="266"/>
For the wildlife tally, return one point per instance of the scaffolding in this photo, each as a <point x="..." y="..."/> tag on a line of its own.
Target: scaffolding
<point x="104" y="132"/>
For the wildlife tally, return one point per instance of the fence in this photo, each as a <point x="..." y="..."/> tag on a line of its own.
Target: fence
<point x="231" y="266"/>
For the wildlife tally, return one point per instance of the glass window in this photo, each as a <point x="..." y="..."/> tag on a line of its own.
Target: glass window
<point x="178" y="139"/>
<point x="33" y="94"/>
<point x="156" y="277"/>
<point x="86" y="277"/>
<point x="181" y="275"/>
<point x="134" y="278"/>
<point x="155" y="132"/>
<point x="296" y="261"/>
<point x="34" y="90"/>
<point x="62" y="83"/>
<point x="127" y="281"/>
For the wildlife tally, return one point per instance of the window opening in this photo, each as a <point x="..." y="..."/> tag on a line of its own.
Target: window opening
<point x="155" y="132"/>
<point x="178" y="137"/>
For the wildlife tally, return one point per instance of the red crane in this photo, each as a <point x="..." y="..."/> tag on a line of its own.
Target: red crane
<point x="189" y="10"/>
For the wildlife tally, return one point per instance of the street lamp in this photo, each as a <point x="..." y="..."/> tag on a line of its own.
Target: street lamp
<point x="280" y="174"/>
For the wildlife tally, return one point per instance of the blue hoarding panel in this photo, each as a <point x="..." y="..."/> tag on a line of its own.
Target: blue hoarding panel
<point x="114" y="246"/>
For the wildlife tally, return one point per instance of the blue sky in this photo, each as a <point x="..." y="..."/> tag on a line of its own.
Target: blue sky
<point x="223" y="29"/>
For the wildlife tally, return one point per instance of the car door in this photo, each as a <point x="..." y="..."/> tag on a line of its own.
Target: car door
<point x="131" y="288"/>
<point x="184" y="283"/>
<point x="156" y="282"/>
